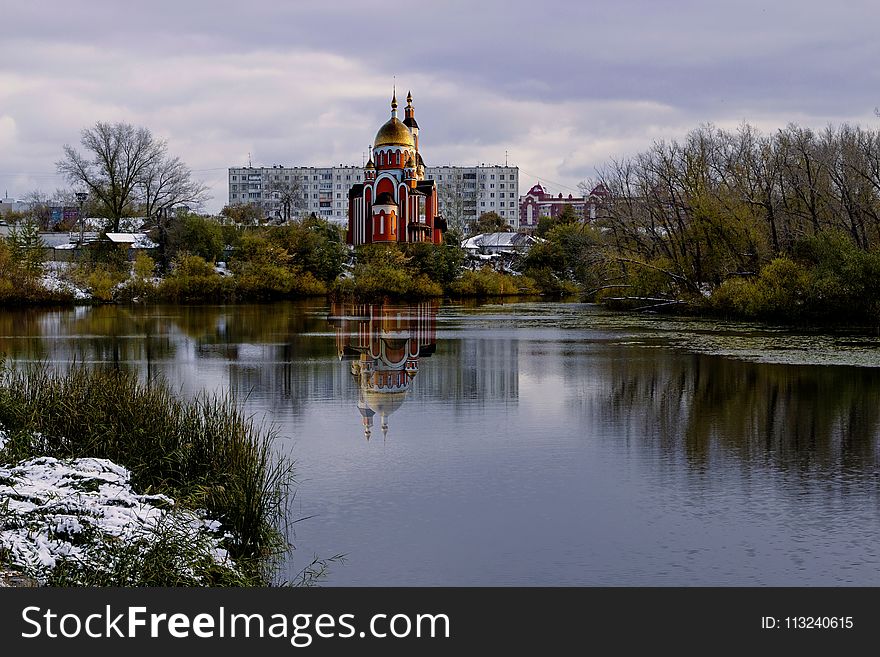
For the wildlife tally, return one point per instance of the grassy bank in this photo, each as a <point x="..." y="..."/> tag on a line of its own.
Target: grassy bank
<point x="204" y="454"/>
<point x="421" y="271"/>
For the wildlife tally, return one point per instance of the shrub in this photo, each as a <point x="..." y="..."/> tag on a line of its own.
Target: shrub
<point x="101" y="283"/>
<point x="144" y="266"/>
<point x="440" y="263"/>
<point x="106" y="255"/>
<point x="649" y="279"/>
<point x="20" y="281"/>
<point x="394" y="282"/>
<point x="140" y="285"/>
<point x="261" y="281"/>
<point x="194" y="280"/>
<point x="778" y="292"/>
<point x="384" y="270"/>
<point x="830" y="279"/>
<point x="204" y="453"/>
<point x="265" y="270"/>
<point x="549" y="283"/>
<point x="313" y="245"/>
<point x="487" y="282"/>
<point x="195" y="235"/>
<point x="843" y="278"/>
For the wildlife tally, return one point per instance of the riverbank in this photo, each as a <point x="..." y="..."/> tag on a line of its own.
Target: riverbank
<point x="108" y="481"/>
<point x="825" y="280"/>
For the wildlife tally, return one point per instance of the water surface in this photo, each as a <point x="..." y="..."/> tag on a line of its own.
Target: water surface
<point x="533" y="443"/>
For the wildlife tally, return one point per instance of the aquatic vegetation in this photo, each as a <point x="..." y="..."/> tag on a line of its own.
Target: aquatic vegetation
<point x="203" y="453"/>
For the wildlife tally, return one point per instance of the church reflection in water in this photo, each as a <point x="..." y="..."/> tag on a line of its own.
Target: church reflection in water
<point x="384" y="343"/>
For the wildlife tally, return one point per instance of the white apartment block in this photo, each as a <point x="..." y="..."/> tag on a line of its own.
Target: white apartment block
<point x="325" y="189"/>
<point x="492" y="188"/>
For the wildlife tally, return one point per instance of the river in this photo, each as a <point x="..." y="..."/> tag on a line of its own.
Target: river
<point x="531" y="443"/>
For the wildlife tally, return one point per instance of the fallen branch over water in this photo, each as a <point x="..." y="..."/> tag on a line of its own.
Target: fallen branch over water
<point x="657" y="302"/>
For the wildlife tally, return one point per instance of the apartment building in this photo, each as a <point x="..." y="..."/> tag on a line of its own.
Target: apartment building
<point x="465" y="192"/>
<point x="468" y="192"/>
<point x="323" y="190"/>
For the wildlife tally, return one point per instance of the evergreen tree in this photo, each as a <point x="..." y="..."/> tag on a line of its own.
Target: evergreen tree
<point x="27" y="249"/>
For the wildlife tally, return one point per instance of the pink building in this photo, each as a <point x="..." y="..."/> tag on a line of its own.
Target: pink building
<point x="538" y="203"/>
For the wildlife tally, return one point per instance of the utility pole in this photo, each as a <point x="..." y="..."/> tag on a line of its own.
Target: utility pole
<point x="81" y="198"/>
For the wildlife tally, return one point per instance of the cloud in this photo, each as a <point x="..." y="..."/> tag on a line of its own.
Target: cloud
<point x="560" y="88"/>
<point x="7" y="132"/>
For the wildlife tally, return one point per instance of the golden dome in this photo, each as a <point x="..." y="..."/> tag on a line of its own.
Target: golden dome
<point x="394" y="133"/>
<point x="385" y="403"/>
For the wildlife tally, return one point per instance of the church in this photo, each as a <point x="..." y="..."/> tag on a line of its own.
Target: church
<point x="395" y="203"/>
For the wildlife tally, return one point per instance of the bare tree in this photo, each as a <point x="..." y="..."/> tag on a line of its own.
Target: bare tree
<point x="116" y="160"/>
<point x="39" y="210"/>
<point x="290" y="195"/>
<point x="168" y="182"/>
<point x="453" y="196"/>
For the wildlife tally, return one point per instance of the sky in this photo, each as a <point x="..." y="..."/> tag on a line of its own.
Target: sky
<point x="558" y="88"/>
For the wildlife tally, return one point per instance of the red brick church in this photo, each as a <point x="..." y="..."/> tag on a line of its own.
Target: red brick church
<point x="395" y="203"/>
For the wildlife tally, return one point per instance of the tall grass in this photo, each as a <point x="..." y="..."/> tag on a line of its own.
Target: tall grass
<point x="205" y="453"/>
<point x="487" y="282"/>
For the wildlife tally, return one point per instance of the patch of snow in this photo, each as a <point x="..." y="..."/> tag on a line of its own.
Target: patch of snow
<point x="57" y="265"/>
<point x="68" y="510"/>
<point x="53" y="282"/>
<point x="144" y="242"/>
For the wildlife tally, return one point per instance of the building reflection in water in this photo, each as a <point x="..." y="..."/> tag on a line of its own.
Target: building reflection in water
<point x="383" y="343"/>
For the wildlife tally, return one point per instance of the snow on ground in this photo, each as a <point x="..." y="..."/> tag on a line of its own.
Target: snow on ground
<point x="53" y="280"/>
<point x="52" y="510"/>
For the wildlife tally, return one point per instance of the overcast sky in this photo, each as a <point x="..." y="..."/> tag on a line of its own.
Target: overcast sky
<point x="560" y="87"/>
